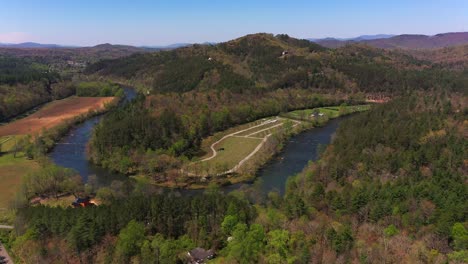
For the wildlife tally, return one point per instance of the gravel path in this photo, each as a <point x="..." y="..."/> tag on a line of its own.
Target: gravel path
<point x="247" y="136"/>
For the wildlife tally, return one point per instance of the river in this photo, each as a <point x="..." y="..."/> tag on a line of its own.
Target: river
<point x="70" y="152"/>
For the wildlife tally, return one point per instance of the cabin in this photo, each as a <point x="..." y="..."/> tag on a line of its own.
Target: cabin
<point x="200" y="255"/>
<point x="83" y="202"/>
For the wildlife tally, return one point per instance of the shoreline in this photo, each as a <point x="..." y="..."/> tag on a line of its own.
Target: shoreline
<point x="231" y="178"/>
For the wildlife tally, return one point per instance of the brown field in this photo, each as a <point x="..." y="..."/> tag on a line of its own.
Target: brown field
<point x="53" y="114"/>
<point x="12" y="171"/>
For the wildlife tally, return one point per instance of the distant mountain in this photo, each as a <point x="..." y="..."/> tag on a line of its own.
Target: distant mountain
<point x="176" y="45"/>
<point x="362" y="37"/>
<point x="168" y="47"/>
<point x="369" y="37"/>
<point x="56" y="54"/>
<point x="406" y="41"/>
<point x="32" y="45"/>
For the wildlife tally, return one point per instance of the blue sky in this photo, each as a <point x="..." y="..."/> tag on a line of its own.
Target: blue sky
<point x="134" y="22"/>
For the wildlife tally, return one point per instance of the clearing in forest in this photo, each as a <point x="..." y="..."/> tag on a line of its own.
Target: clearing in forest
<point x="328" y="112"/>
<point x="237" y="145"/>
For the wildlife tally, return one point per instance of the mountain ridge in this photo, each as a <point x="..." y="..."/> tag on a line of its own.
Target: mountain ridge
<point x="404" y="41"/>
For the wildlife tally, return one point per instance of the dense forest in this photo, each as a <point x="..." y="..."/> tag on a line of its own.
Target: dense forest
<point x="31" y="77"/>
<point x="25" y="83"/>
<point x="391" y="187"/>
<point x="174" y="124"/>
<point x="195" y="91"/>
<point x="98" y="89"/>
<point x="263" y="61"/>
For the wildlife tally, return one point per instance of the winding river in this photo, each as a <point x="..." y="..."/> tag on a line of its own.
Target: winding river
<point x="70" y="152"/>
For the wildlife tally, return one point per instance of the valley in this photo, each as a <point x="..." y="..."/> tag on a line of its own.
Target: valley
<point x="263" y="149"/>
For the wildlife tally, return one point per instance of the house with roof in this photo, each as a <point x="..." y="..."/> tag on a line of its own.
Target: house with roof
<point x="83" y="202"/>
<point x="200" y="255"/>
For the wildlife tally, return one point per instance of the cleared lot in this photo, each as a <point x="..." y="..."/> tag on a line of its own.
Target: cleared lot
<point x="53" y="114"/>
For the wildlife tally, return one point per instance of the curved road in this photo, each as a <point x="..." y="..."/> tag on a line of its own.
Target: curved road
<point x="264" y="139"/>
<point x="233" y="134"/>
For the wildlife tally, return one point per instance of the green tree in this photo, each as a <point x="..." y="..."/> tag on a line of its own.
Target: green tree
<point x="229" y="223"/>
<point x="390" y="231"/>
<point x="460" y="236"/>
<point x="130" y="239"/>
<point x="247" y="243"/>
<point x="277" y="246"/>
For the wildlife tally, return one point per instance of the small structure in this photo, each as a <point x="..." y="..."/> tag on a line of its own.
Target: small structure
<point x="83" y="202"/>
<point x="200" y="255"/>
<point x="285" y="52"/>
<point x="210" y="59"/>
<point x="320" y="114"/>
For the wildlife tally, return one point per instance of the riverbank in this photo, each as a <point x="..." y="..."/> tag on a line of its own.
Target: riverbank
<point x="230" y="161"/>
<point x="20" y="153"/>
<point x="71" y="150"/>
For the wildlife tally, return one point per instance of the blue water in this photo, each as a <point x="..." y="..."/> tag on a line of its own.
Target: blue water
<point x="71" y="151"/>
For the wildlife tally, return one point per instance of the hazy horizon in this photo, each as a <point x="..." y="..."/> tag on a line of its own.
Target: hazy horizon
<point x="156" y="23"/>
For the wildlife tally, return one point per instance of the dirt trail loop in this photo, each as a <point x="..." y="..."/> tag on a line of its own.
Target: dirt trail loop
<point x="233" y="134"/>
<point x="265" y="138"/>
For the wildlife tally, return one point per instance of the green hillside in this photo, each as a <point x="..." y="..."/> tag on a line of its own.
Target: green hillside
<point x="264" y="61"/>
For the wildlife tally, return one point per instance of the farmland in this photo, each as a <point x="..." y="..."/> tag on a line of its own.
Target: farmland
<point x="14" y="167"/>
<point x="53" y="114"/>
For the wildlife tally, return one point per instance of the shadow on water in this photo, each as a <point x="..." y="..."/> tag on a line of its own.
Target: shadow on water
<point x="70" y="152"/>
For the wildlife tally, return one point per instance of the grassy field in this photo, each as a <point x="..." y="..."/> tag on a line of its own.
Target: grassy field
<point x="7" y="143"/>
<point x="239" y="142"/>
<point x="53" y="114"/>
<point x="328" y="112"/>
<point x="252" y="131"/>
<point x="235" y="149"/>
<point x="12" y="171"/>
<point x="64" y="201"/>
<point x="206" y="143"/>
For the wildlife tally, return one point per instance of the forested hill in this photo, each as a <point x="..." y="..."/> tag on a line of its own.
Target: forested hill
<point x="25" y="83"/>
<point x="264" y="61"/>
